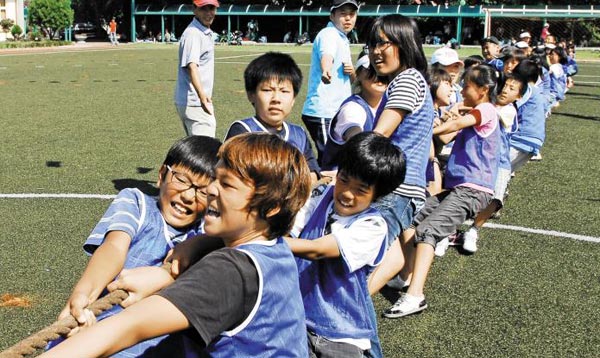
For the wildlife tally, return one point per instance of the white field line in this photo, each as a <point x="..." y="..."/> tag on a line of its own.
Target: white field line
<point x="56" y="196"/>
<point x="488" y="225"/>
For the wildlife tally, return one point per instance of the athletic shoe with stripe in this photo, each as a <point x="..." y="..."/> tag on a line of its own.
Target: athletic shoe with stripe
<point x="406" y="305"/>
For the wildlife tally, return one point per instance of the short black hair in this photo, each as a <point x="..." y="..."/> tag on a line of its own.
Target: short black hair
<point x="515" y="77"/>
<point x="272" y="65"/>
<point x="483" y="75"/>
<point x="196" y="153"/>
<point x="373" y="159"/>
<point x="473" y="60"/>
<point x="529" y="69"/>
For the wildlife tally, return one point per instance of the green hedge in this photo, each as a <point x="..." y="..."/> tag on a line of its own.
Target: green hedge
<point x="23" y="44"/>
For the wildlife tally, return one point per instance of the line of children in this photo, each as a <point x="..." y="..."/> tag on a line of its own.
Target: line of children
<point x="351" y="238"/>
<point x="470" y="178"/>
<point x="228" y="298"/>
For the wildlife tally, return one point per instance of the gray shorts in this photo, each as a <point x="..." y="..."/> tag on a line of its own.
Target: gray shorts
<point x="323" y="348"/>
<point x="196" y="121"/>
<point x="444" y="213"/>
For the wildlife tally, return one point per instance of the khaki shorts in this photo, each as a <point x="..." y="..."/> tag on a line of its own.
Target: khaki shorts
<point x="196" y="121"/>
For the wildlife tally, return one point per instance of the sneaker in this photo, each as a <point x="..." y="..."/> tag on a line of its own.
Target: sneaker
<point x="406" y="305"/>
<point x="537" y="157"/>
<point x="441" y="247"/>
<point x="470" y="240"/>
<point x="398" y="284"/>
<point x="455" y="239"/>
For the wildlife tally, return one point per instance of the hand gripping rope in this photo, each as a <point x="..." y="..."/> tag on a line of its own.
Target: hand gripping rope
<point x="62" y="327"/>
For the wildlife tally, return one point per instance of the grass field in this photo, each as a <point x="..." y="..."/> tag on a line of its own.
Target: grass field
<point x="95" y="122"/>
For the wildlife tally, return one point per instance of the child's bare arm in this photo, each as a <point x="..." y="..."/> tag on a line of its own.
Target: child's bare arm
<point x="455" y="125"/>
<point x="104" y="266"/>
<point x="388" y="122"/>
<point x="151" y="317"/>
<point x="321" y="248"/>
<point x="191" y="251"/>
<point x="141" y="282"/>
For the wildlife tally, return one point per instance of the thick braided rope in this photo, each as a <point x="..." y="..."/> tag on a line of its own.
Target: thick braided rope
<point x="62" y="327"/>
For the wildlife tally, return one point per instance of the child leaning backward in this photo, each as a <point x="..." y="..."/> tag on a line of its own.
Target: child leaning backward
<point x="470" y="179"/>
<point x="138" y="230"/>
<point x="242" y="300"/>
<point x="341" y="238"/>
<point x="272" y="83"/>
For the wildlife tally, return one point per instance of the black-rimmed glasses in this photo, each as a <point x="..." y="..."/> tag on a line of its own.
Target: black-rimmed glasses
<point x="380" y="45"/>
<point x="182" y="183"/>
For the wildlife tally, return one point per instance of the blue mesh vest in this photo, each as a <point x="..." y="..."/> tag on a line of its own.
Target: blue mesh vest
<point x="276" y="326"/>
<point x="293" y="133"/>
<point x="474" y="159"/>
<point x="332" y="147"/>
<point x="413" y="136"/>
<point x="336" y="301"/>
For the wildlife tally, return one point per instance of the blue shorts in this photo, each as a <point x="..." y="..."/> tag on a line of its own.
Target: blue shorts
<point x="398" y="211"/>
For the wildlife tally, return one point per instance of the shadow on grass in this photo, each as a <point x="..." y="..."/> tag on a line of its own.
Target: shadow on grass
<point x="578" y="116"/>
<point x="145" y="186"/>
<point x="580" y="94"/>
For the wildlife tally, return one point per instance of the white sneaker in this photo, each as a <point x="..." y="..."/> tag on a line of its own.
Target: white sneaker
<point x="470" y="240"/>
<point x="537" y="157"/>
<point x="406" y="305"/>
<point x="441" y="247"/>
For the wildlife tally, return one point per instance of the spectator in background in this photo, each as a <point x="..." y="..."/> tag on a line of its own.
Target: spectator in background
<point x="545" y="32"/>
<point x="195" y="77"/>
<point x="112" y="34"/>
<point x="331" y="72"/>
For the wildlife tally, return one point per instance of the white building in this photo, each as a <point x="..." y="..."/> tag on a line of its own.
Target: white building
<point x="11" y="9"/>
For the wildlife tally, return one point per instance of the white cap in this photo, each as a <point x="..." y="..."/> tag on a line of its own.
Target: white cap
<point x="524" y="35"/>
<point x="550" y="46"/>
<point x="445" y="56"/>
<point x="521" y="45"/>
<point x="362" y="62"/>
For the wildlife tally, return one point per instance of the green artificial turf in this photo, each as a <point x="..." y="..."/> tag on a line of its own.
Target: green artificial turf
<point x="98" y="121"/>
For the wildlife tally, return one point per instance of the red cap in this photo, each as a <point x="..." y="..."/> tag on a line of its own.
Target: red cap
<point x="200" y="3"/>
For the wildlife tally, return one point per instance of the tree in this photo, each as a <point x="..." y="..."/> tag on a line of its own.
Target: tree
<point x="16" y="31"/>
<point x="6" y="24"/>
<point x="51" y="16"/>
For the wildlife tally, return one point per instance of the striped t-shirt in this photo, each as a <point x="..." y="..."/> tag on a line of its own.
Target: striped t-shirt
<point x="408" y="92"/>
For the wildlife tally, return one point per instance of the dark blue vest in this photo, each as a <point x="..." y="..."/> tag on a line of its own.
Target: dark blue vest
<point x="276" y="326"/>
<point x="332" y="147"/>
<point x="336" y="301"/>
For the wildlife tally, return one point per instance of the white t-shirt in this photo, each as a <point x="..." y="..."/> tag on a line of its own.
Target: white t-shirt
<point x="350" y="115"/>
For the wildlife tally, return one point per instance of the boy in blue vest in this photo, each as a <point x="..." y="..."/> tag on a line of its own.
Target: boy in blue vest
<point x="272" y="83"/>
<point x="242" y="300"/>
<point x="341" y="237"/>
<point x="139" y="230"/>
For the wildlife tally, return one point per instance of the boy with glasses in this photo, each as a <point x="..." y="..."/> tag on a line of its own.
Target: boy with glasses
<point x="139" y="230"/>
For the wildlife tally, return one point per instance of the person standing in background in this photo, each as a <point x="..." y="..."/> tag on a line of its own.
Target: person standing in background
<point x="195" y="76"/>
<point x="112" y="34"/>
<point x="331" y="72"/>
